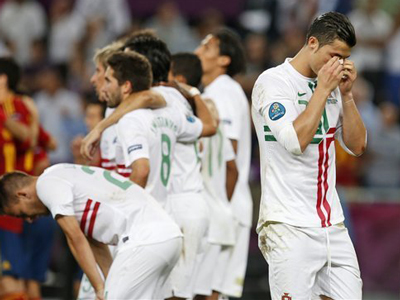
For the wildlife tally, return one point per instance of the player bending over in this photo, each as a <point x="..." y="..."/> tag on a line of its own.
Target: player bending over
<point x="96" y="208"/>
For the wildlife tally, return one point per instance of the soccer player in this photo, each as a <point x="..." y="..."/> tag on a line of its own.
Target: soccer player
<point x="299" y="108"/>
<point x="158" y="54"/>
<point x="107" y="134"/>
<point x="95" y="207"/>
<point x="222" y="57"/>
<point x="146" y="138"/>
<point x="37" y="236"/>
<point x="107" y="141"/>
<point x="185" y="200"/>
<point x="17" y="136"/>
<point x="219" y="175"/>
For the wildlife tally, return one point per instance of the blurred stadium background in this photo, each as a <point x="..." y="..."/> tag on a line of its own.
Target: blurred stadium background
<point x="54" y="41"/>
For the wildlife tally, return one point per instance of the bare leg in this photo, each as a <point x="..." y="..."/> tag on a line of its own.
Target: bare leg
<point x="33" y="289"/>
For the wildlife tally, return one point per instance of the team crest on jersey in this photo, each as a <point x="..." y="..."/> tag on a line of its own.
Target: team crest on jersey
<point x="276" y="111"/>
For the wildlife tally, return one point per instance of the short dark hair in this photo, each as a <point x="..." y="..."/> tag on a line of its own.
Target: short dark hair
<point x="11" y="69"/>
<point x="132" y="67"/>
<point x="331" y="26"/>
<point x="155" y="50"/>
<point x="9" y="183"/>
<point x="187" y="65"/>
<point x="230" y="45"/>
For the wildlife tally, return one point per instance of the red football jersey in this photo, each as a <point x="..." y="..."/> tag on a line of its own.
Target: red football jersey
<point x="14" y="155"/>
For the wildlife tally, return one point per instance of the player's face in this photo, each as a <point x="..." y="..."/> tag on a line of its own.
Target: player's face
<point x="111" y="90"/>
<point x="322" y="55"/>
<point x="27" y="209"/>
<point x="98" y="79"/>
<point x="208" y="53"/>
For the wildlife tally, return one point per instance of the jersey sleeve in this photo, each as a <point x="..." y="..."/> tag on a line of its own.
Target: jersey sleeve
<point x="272" y="99"/>
<point x="229" y="114"/>
<point x="190" y="129"/>
<point x="131" y="133"/>
<point x="56" y="194"/>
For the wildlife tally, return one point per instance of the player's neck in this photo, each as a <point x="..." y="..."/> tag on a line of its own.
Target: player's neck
<point x="301" y="64"/>
<point x="211" y="76"/>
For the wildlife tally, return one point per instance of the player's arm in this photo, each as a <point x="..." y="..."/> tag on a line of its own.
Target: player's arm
<point x="143" y="99"/>
<point x="34" y="125"/>
<point x="202" y="111"/>
<point x="81" y="250"/>
<point x="306" y="124"/>
<point x="234" y="145"/>
<point x="232" y="176"/>
<point x="140" y="171"/>
<point x="354" y="132"/>
<point x="18" y="130"/>
<point x="102" y="254"/>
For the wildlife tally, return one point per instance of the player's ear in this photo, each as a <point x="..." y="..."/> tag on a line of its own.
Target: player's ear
<point x="180" y="79"/>
<point x="224" y="61"/>
<point x="313" y="43"/>
<point x="21" y="194"/>
<point x="3" y="80"/>
<point x="127" y="87"/>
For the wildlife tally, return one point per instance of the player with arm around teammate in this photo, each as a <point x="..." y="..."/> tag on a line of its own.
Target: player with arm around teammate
<point x="94" y="208"/>
<point x="299" y="108"/>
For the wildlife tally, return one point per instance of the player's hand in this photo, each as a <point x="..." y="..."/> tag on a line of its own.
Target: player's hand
<point x="52" y="144"/>
<point x="330" y="75"/>
<point x="76" y="146"/>
<point x="90" y="143"/>
<point x="349" y="76"/>
<point x="100" y="295"/>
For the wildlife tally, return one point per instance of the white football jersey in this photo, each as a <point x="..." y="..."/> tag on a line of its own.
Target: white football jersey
<point x="185" y="174"/>
<point x="298" y="190"/>
<point x="108" y="207"/>
<point x="217" y="151"/>
<point x="108" y="142"/>
<point x="152" y="134"/>
<point x="234" y="112"/>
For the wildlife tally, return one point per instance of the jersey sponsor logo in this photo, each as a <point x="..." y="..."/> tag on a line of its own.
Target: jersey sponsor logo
<point x="301" y="94"/>
<point x="227" y="122"/>
<point x="134" y="148"/>
<point x="276" y="111"/>
<point x="115" y="140"/>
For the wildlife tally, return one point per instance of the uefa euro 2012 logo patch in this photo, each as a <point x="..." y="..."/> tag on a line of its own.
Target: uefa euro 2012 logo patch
<point x="276" y="111"/>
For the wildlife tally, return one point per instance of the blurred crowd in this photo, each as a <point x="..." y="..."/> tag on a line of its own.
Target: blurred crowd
<point x="54" y="41"/>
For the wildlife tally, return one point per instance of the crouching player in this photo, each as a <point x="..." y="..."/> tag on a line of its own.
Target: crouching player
<point x="107" y="209"/>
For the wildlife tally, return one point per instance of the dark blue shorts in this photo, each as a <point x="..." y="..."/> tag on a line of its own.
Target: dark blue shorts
<point x="12" y="257"/>
<point x="37" y="238"/>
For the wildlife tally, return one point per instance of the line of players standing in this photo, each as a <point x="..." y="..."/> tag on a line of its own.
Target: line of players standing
<point x="202" y="183"/>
